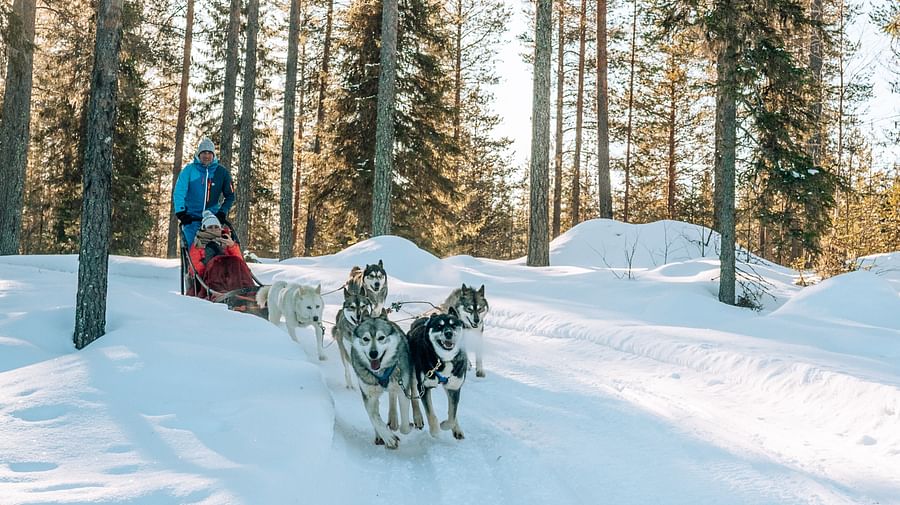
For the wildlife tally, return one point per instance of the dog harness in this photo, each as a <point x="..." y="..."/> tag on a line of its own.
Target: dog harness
<point x="434" y="373"/>
<point x="383" y="380"/>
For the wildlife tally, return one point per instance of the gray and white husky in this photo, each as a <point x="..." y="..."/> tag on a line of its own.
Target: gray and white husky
<point x="356" y="307"/>
<point x="372" y="282"/>
<point x="380" y="357"/>
<point x="438" y="357"/>
<point x="470" y="306"/>
<point x="301" y="305"/>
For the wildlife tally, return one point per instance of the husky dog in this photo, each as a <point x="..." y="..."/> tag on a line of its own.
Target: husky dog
<point x="356" y="307"/>
<point x="371" y="282"/>
<point x="438" y="357"/>
<point x="470" y="306"/>
<point x="301" y="306"/>
<point x="380" y="357"/>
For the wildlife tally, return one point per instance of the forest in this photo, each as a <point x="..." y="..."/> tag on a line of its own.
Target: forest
<point x="288" y="92"/>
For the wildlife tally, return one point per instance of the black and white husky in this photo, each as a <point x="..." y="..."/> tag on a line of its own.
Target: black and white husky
<point x="372" y="282"/>
<point x="356" y="307"/>
<point x="380" y="357"/>
<point x="438" y="357"/>
<point x="470" y="306"/>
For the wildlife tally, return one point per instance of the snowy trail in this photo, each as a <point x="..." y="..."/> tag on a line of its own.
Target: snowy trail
<point x="598" y="390"/>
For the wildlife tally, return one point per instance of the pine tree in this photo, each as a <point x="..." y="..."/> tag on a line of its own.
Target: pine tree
<point x="423" y="146"/>
<point x="538" y="229"/>
<point x="15" y="122"/>
<point x="285" y="228"/>
<point x="90" y="303"/>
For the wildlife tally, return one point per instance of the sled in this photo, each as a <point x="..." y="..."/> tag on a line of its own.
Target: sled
<point x="240" y="285"/>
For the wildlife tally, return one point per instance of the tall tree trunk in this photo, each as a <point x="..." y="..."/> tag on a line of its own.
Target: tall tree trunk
<point x="232" y="51"/>
<point x="628" y="129"/>
<point x="457" y="85"/>
<point x="579" y="114"/>
<point x="300" y="136"/>
<point x="815" y="67"/>
<point x="840" y="116"/>
<point x="560" y="87"/>
<point x="16" y="123"/>
<point x="93" y="255"/>
<point x="671" y="174"/>
<point x="286" y="218"/>
<point x="384" y="121"/>
<point x="248" y="110"/>
<point x="726" y="118"/>
<point x="604" y="186"/>
<point x="172" y="242"/>
<point x="309" y="235"/>
<point x="538" y="229"/>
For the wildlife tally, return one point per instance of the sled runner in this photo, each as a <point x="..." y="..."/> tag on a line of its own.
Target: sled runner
<point x="225" y="279"/>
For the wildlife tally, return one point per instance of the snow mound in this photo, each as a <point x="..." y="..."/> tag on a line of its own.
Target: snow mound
<point x="861" y="297"/>
<point x="886" y="265"/>
<point x="608" y="243"/>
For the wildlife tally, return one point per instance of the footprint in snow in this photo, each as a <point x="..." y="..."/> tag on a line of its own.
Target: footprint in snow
<point x="866" y="440"/>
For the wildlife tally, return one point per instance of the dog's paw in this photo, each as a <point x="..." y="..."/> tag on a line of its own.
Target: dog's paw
<point x="479" y="373"/>
<point x="434" y="431"/>
<point x="405" y="428"/>
<point x="418" y="424"/>
<point x="447" y="425"/>
<point x="322" y="357"/>
<point x="392" y="442"/>
<point x="458" y="434"/>
<point x="378" y="440"/>
<point x="393" y="424"/>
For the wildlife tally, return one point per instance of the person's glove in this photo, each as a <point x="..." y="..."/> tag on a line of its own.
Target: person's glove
<point x="184" y="218"/>
<point x="221" y="217"/>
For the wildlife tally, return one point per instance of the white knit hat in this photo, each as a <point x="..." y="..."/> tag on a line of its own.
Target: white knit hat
<point x="206" y="145"/>
<point x="209" y="219"/>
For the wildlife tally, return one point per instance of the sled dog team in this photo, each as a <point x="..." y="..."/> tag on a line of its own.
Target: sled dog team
<point x="384" y="358"/>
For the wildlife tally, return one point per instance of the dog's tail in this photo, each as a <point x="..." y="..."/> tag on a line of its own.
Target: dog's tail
<point x="262" y="296"/>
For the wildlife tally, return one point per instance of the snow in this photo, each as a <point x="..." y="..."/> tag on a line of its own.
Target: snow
<point x="613" y="376"/>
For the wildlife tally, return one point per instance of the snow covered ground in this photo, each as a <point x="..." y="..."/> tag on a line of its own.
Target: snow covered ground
<point x="613" y="376"/>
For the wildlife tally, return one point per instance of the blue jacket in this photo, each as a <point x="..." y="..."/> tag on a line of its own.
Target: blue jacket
<point x="199" y="188"/>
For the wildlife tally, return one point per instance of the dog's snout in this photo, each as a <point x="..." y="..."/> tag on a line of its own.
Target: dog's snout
<point x="377" y="285"/>
<point x="316" y="318"/>
<point x="448" y="334"/>
<point x="373" y="354"/>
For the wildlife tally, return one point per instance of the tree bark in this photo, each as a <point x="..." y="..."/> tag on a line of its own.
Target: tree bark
<point x="384" y="122"/>
<point x="457" y="86"/>
<point x="300" y="136"/>
<point x="628" y="129"/>
<point x="726" y="118"/>
<point x="604" y="186"/>
<point x="93" y="255"/>
<point x="309" y="235"/>
<point x="248" y="112"/>
<point x="286" y="207"/>
<point x="560" y="87"/>
<point x="670" y="173"/>
<point x="15" y="124"/>
<point x="232" y="51"/>
<point x="579" y="114"/>
<point x="538" y="229"/>
<point x="177" y="163"/>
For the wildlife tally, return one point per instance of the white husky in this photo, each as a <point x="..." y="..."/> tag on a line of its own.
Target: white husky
<point x="301" y="306"/>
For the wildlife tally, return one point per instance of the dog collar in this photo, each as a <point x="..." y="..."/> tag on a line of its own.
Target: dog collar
<point x="384" y="379"/>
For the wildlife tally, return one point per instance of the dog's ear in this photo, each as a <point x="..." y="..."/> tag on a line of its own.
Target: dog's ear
<point x="319" y="289"/>
<point x="453" y="312"/>
<point x="464" y="287"/>
<point x="481" y="290"/>
<point x="380" y="264"/>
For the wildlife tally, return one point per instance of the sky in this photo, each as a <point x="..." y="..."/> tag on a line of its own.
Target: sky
<point x="514" y="92"/>
<point x="607" y="381"/>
